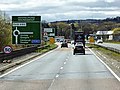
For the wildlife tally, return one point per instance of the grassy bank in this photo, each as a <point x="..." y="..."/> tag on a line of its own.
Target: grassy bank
<point x="109" y="53"/>
<point x="48" y="48"/>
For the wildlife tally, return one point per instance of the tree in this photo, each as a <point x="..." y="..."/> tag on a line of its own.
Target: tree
<point x="62" y="29"/>
<point x="5" y="32"/>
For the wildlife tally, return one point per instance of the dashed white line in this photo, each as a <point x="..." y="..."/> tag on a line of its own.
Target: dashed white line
<point x="51" y="83"/>
<point x="64" y="62"/>
<point x="57" y="76"/>
<point x="61" y="68"/>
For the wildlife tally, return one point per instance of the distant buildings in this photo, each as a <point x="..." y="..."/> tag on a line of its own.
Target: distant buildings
<point x="113" y="35"/>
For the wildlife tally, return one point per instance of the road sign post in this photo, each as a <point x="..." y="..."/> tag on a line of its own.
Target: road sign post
<point x="26" y="29"/>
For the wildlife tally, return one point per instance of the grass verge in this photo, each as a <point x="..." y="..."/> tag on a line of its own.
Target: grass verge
<point x="114" y="42"/>
<point x="111" y="54"/>
<point x="50" y="47"/>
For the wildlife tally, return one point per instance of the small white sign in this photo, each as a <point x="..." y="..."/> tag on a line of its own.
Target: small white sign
<point x="51" y="34"/>
<point x="19" y="24"/>
<point x="48" y="30"/>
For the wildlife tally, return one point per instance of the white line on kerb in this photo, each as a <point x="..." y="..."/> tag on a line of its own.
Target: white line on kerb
<point x="118" y="78"/>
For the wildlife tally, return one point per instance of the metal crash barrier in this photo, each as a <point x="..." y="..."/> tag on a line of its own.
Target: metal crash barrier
<point x="17" y="53"/>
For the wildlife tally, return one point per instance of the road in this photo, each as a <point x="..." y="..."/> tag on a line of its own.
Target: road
<point x="61" y="70"/>
<point x="116" y="46"/>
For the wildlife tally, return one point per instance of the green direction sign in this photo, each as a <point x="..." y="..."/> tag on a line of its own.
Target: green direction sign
<point x="26" y="29"/>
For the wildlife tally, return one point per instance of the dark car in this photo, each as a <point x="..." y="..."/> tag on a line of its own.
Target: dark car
<point x="64" y="44"/>
<point x="79" y="48"/>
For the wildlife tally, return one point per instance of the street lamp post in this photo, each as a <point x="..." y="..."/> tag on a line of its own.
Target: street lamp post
<point x="70" y="31"/>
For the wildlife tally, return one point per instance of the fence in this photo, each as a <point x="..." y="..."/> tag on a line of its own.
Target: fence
<point x="110" y="48"/>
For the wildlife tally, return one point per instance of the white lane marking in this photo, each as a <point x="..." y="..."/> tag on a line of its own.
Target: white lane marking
<point x="118" y="78"/>
<point x="51" y="83"/>
<point x="64" y="62"/>
<point x="27" y="63"/>
<point x="66" y="59"/>
<point x="61" y="68"/>
<point x="57" y="76"/>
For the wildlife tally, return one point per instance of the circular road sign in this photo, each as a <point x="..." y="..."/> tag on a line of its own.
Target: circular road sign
<point x="7" y="49"/>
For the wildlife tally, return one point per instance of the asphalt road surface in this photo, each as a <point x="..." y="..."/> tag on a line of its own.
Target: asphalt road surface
<point x="61" y="70"/>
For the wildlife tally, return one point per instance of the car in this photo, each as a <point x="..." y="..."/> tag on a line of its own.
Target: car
<point x="99" y="41"/>
<point x="68" y="40"/>
<point x="61" y="41"/>
<point x="72" y="42"/>
<point x="79" y="48"/>
<point x="64" y="44"/>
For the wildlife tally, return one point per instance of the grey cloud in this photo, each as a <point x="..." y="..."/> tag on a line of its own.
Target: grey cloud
<point x="101" y="3"/>
<point x="61" y="16"/>
<point x="12" y="1"/>
<point x="76" y="9"/>
<point x="70" y="7"/>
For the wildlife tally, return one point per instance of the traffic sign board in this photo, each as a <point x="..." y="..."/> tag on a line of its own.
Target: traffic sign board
<point x="50" y="32"/>
<point x="79" y="37"/>
<point x="91" y="40"/>
<point x="7" y="49"/>
<point x="26" y="29"/>
<point x="52" y="40"/>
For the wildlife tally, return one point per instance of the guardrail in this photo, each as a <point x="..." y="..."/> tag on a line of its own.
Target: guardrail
<point x="17" y="53"/>
<point x="109" y="48"/>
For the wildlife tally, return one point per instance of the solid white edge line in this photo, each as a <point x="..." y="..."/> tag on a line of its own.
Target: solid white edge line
<point x="118" y="78"/>
<point x="27" y="63"/>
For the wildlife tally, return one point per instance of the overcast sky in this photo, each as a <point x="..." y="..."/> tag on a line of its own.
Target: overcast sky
<point x="56" y="10"/>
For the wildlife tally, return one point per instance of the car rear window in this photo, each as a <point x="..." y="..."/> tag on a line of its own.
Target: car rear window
<point x="79" y="46"/>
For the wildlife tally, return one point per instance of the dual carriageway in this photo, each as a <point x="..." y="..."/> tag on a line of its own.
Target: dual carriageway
<point x="61" y="70"/>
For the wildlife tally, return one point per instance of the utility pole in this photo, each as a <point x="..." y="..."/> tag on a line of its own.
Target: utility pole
<point x="71" y="29"/>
